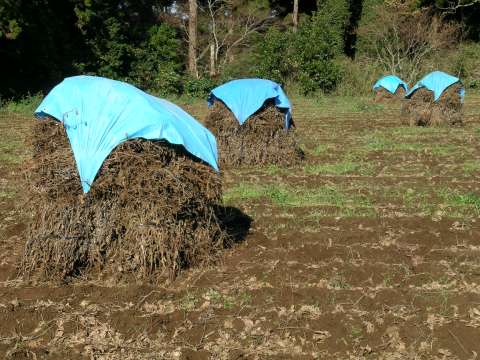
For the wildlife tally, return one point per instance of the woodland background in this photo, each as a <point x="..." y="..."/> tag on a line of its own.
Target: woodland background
<point x="173" y="48"/>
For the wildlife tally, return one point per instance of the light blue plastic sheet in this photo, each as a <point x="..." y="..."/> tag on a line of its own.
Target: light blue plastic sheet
<point x="437" y="82"/>
<point x="390" y="83"/>
<point x="245" y="96"/>
<point x="100" y="113"/>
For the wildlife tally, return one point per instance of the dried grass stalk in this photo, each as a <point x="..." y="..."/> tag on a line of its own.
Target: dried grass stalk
<point x="152" y="210"/>
<point x="262" y="139"/>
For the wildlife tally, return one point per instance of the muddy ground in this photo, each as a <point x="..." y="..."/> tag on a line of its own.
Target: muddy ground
<point x="370" y="249"/>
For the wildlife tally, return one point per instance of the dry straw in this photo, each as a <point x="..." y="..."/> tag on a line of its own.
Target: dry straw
<point x="262" y="139"/>
<point x="421" y="110"/>
<point x="383" y="95"/>
<point x="152" y="210"/>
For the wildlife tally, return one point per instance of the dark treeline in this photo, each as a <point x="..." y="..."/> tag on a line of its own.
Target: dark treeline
<point x="145" y="42"/>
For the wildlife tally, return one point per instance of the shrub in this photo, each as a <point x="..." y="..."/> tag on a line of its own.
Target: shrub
<point x="273" y="62"/>
<point x="157" y="61"/>
<point x="198" y="87"/>
<point x="318" y="44"/>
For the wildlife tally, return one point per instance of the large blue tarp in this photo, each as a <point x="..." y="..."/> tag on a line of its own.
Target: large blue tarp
<point x="437" y="82"/>
<point x="100" y="113"/>
<point x="245" y="96"/>
<point x="390" y="83"/>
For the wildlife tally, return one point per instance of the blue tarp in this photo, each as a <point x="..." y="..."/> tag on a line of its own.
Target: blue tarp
<point x="245" y="96"/>
<point x="100" y="113"/>
<point x="437" y="82"/>
<point x="390" y="83"/>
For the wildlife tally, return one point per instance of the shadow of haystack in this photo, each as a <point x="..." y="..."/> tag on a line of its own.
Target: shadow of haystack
<point x="234" y="222"/>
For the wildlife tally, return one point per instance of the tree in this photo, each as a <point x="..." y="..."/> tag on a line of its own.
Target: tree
<point x="317" y="45"/>
<point x="192" y="38"/>
<point x="36" y="52"/>
<point x="400" y="40"/>
<point x="295" y="15"/>
<point x="231" y="24"/>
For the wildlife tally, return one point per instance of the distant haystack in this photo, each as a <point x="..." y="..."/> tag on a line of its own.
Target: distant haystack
<point x="436" y="100"/>
<point x="389" y="88"/>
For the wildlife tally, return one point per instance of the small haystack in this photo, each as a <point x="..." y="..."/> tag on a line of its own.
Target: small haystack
<point x="261" y="140"/>
<point x="389" y="88"/>
<point x="422" y="110"/>
<point x="152" y="209"/>
<point x="383" y="95"/>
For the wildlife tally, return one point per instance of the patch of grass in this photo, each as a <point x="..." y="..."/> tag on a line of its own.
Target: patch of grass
<point x="6" y="194"/>
<point x="356" y="332"/>
<point x="340" y="168"/>
<point x="379" y="142"/>
<point x="25" y="105"/>
<point x="320" y="149"/>
<point x="367" y="106"/>
<point x="10" y="148"/>
<point x="442" y="150"/>
<point x="464" y="202"/>
<point x="344" y="204"/>
<point x="339" y="282"/>
<point x="477" y="131"/>
<point x="243" y="191"/>
<point x="273" y="169"/>
<point x="409" y="131"/>
<point x="189" y="302"/>
<point x="471" y="166"/>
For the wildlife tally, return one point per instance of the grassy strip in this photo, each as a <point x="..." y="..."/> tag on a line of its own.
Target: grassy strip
<point x="323" y="196"/>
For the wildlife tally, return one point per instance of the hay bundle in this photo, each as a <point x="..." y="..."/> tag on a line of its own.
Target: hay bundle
<point x="382" y="94"/>
<point x="262" y="139"/>
<point x="421" y="110"/>
<point x="152" y="210"/>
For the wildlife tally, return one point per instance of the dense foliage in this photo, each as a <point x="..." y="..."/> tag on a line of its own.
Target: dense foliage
<point x="338" y="43"/>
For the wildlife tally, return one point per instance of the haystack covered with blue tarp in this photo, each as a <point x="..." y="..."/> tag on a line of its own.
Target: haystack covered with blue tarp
<point x="389" y="87"/>
<point x="438" y="82"/>
<point x="252" y="121"/>
<point x="435" y="100"/>
<point x="123" y="184"/>
<point x="99" y="114"/>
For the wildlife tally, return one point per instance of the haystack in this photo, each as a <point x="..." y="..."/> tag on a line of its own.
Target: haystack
<point x="262" y="139"/>
<point x="152" y="210"/>
<point x="422" y="110"/>
<point x="383" y="95"/>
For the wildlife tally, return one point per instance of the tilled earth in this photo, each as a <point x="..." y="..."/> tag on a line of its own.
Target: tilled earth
<point x="368" y="250"/>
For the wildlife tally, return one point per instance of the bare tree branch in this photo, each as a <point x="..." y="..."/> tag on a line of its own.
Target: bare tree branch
<point x="453" y="6"/>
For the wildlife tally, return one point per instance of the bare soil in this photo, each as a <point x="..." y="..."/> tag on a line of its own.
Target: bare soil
<point x="308" y="281"/>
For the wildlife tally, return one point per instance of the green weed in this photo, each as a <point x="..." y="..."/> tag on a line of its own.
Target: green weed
<point x="471" y="166"/>
<point x="26" y="105"/>
<point x="340" y="168"/>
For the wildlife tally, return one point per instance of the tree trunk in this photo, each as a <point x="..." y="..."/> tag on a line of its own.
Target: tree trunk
<point x="192" y="38"/>
<point x="212" y="59"/>
<point x="295" y="15"/>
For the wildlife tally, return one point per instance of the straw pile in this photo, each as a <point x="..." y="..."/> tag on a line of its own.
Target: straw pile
<point x="262" y="139"/>
<point x="421" y="110"/>
<point x="152" y="210"/>
<point x="381" y="94"/>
